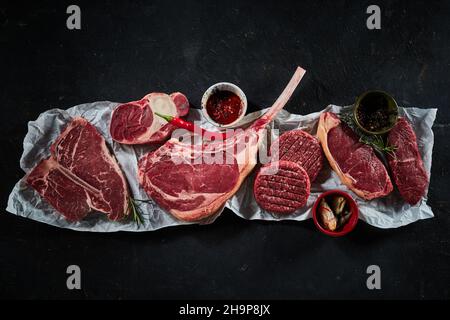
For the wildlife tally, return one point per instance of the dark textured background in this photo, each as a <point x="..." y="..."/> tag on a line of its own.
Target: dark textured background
<point x="129" y="48"/>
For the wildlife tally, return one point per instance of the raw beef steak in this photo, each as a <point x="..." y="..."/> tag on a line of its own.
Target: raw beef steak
<point x="406" y="163"/>
<point x="81" y="175"/>
<point x="181" y="178"/>
<point x="300" y="147"/>
<point x="354" y="162"/>
<point x="137" y="123"/>
<point x="283" y="192"/>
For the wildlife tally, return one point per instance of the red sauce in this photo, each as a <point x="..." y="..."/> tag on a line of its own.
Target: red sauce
<point x="224" y="107"/>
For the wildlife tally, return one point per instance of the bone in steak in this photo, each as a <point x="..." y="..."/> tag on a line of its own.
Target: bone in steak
<point x="136" y="122"/>
<point x="406" y="163"/>
<point x="300" y="147"/>
<point x="354" y="162"/>
<point x="192" y="190"/>
<point x="81" y="175"/>
<point x="283" y="192"/>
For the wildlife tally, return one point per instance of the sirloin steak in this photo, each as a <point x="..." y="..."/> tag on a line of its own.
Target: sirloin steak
<point x="406" y="163"/>
<point x="284" y="192"/>
<point x="354" y="162"/>
<point x="181" y="179"/>
<point x="81" y="175"/>
<point x="300" y="147"/>
<point x="136" y="122"/>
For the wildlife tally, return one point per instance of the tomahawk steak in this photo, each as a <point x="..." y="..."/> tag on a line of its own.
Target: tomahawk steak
<point x="354" y="162"/>
<point x="81" y="175"/>
<point x="406" y="163"/>
<point x="137" y="123"/>
<point x="182" y="179"/>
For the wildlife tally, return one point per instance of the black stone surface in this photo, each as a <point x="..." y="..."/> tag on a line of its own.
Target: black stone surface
<point x="129" y="48"/>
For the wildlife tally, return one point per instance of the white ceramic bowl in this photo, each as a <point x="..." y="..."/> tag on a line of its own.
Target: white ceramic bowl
<point x="224" y="86"/>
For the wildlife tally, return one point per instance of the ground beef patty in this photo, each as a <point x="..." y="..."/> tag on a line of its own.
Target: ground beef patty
<point x="283" y="191"/>
<point x="300" y="147"/>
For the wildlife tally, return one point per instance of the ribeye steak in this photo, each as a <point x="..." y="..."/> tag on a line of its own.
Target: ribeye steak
<point x="406" y="163"/>
<point x="81" y="175"/>
<point x="136" y="122"/>
<point x="193" y="190"/>
<point x="354" y="162"/>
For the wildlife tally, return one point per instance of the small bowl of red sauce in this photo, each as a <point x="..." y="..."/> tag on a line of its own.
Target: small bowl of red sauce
<point x="224" y="105"/>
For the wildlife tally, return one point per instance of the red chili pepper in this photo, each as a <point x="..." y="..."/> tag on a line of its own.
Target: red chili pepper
<point x="183" y="124"/>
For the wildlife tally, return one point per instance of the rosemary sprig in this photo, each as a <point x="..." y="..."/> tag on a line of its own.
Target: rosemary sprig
<point x="378" y="143"/>
<point x="136" y="211"/>
<point x="375" y="141"/>
<point x="347" y="117"/>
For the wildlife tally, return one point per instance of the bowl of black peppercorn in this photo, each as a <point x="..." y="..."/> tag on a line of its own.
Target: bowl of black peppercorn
<point x="375" y="112"/>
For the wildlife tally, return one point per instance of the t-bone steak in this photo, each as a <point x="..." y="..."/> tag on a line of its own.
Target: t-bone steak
<point x="81" y="175"/>
<point x="283" y="191"/>
<point x="300" y="147"/>
<point x="181" y="179"/>
<point x="354" y="162"/>
<point x="406" y="163"/>
<point x="137" y="123"/>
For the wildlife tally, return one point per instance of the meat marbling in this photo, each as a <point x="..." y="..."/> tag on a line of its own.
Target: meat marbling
<point x="406" y="163"/>
<point x="81" y="175"/>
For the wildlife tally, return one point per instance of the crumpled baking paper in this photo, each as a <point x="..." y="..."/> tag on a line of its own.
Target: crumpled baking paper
<point x="388" y="212"/>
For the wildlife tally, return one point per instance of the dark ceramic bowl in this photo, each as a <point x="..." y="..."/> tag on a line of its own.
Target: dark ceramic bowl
<point x="372" y="99"/>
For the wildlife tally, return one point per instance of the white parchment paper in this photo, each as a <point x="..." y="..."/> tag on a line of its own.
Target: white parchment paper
<point x="388" y="212"/>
